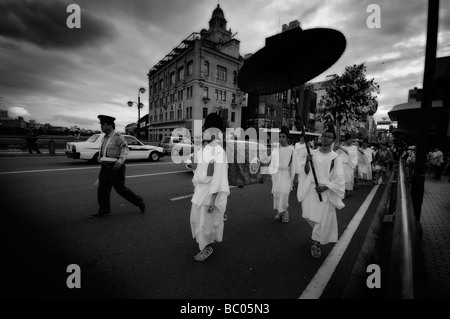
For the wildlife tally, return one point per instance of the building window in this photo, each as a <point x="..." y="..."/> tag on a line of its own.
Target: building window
<point x="217" y="95"/>
<point x="171" y="115"/>
<point x="180" y="95"/>
<point x="206" y="68"/>
<point x="180" y="73"/>
<point x="205" y="92"/>
<point x="221" y="73"/>
<point x="190" y="68"/>
<point x="234" y="77"/>
<point x="179" y="113"/>
<point x="155" y="85"/>
<point x="205" y="112"/>
<point x="161" y="83"/>
<point x="165" y="116"/>
<point x="233" y="98"/>
<point x="233" y="116"/>
<point x="172" y="78"/>
<point x="224" y="96"/>
<point x="189" y="92"/>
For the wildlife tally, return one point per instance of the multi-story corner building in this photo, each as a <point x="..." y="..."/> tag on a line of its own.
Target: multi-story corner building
<point x="197" y="77"/>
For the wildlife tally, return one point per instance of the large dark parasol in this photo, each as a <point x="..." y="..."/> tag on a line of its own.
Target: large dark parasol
<point x="288" y="60"/>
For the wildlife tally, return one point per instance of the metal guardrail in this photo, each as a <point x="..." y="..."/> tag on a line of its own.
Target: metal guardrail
<point x="406" y="275"/>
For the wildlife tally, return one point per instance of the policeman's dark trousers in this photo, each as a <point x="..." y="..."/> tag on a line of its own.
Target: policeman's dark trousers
<point x="109" y="178"/>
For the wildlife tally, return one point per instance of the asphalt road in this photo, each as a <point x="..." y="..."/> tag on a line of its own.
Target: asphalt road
<point x="46" y="201"/>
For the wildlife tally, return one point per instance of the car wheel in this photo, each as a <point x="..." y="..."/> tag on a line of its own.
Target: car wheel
<point x="154" y="156"/>
<point x="94" y="158"/>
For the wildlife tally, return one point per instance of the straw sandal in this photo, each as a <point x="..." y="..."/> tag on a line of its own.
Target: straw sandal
<point x="285" y="217"/>
<point x="204" y="253"/>
<point x="316" y="252"/>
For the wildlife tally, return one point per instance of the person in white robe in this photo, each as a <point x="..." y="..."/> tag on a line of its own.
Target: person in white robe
<point x="300" y="152"/>
<point x="211" y="192"/>
<point x="349" y="157"/>
<point x="282" y="169"/>
<point x="365" y="158"/>
<point x="321" y="215"/>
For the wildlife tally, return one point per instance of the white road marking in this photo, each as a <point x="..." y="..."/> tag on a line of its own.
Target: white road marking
<point x="320" y="280"/>
<point x="48" y="170"/>
<point x="153" y="174"/>
<point x="75" y="168"/>
<point x="187" y="196"/>
<point x="181" y="197"/>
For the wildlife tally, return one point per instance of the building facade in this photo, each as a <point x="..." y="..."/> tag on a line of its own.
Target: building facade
<point x="197" y="77"/>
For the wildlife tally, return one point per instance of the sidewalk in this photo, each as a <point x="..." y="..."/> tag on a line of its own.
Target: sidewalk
<point x="435" y="220"/>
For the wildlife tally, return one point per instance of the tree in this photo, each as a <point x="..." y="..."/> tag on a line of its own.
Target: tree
<point x="349" y="99"/>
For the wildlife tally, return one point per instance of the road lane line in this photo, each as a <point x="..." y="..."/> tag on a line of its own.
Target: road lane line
<point x="47" y="170"/>
<point x="320" y="280"/>
<point x="162" y="173"/>
<point x="187" y="196"/>
<point x="73" y="169"/>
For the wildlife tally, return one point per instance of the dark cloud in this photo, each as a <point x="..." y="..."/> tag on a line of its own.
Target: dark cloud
<point x="10" y="45"/>
<point x="45" y="23"/>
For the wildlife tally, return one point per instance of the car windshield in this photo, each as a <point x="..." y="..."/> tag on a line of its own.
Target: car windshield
<point x="93" y="138"/>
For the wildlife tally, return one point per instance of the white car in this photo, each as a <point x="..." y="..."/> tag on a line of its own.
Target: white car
<point x="89" y="149"/>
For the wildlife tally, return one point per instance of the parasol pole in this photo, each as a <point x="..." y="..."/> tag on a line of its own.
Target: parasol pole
<point x="299" y="119"/>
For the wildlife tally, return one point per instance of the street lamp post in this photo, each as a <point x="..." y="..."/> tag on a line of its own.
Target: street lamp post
<point x="139" y="106"/>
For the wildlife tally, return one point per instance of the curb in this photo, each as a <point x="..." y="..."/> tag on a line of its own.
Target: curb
<point x="356" y="285"/>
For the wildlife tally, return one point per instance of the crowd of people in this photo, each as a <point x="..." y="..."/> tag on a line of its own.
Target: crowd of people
<point x="322" y="177"/>
<point x="436" y="163"/>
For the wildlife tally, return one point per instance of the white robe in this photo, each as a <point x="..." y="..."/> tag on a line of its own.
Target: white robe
<point x="349" y="162"/>
<point x="301" y="153"/>
<point x="282" y="169"/>
<point x="208" y="227"/>
<point x="364" y="166"/>
<point x="322" y="215"/>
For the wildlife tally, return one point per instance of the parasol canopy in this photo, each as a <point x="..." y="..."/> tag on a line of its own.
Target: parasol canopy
<point x="290" y="59"/>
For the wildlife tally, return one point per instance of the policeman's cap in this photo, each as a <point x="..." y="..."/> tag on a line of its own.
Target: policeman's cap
<point x="106" y="119"/>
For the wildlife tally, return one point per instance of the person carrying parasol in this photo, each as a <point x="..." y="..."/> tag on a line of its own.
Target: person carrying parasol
<point x="321" y="214"/>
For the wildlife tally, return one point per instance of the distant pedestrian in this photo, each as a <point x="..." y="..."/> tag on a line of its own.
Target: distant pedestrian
<point x="112" y="154"/>
<point x="210" y="180"/>
<point x="365" y="157"/>
<point x="31" y="139"/>
<point x="411" y="161"/>
<point x="438" y="161"/>
<point x="349" y="156"/>
<point x="382" y="160"/>
<point x="282" y="169"/>
<point x="321" y="215"/>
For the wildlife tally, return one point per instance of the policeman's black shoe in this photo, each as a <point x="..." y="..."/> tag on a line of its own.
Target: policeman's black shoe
<point x="142" y="207"/>
<point x="98" y="215"/>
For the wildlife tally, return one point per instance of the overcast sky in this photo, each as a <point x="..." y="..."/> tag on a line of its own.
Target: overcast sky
<point x="67" y="77"/>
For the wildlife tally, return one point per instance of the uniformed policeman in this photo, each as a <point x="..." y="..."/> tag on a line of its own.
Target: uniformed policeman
<point x="112" y="154"/>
